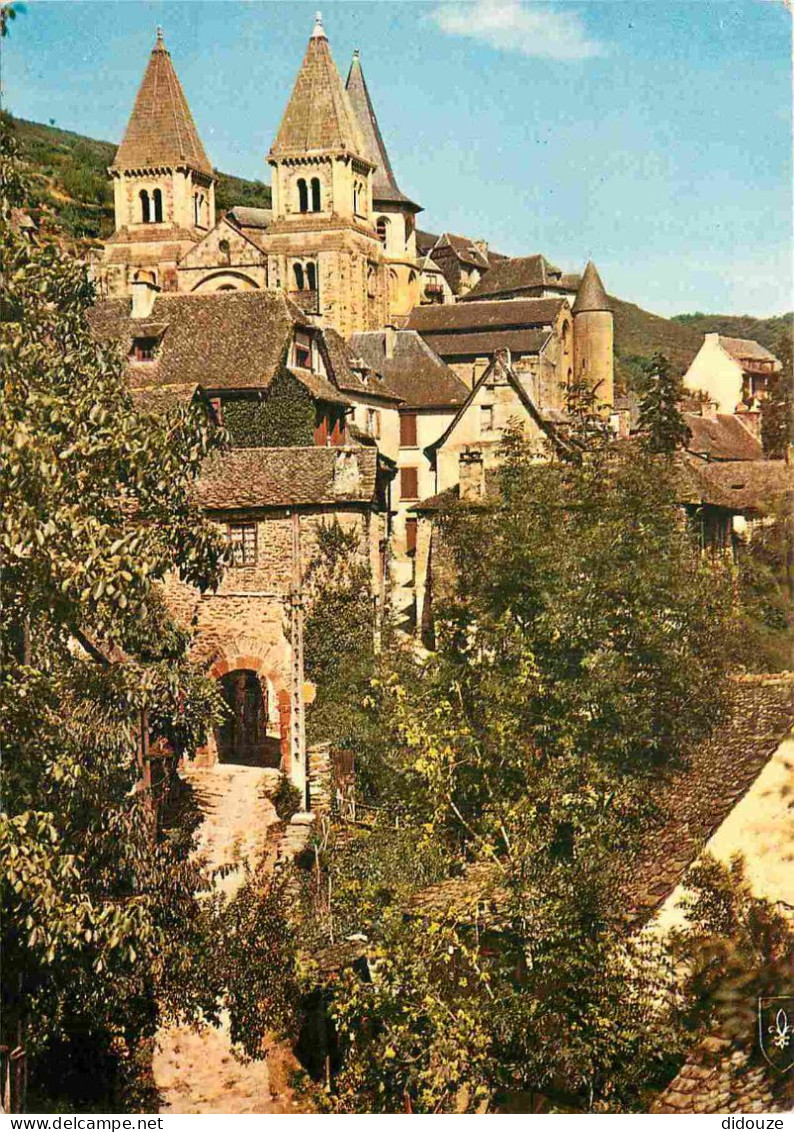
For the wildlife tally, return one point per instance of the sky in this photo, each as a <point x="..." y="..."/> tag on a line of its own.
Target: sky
<point x="653" y="137"/>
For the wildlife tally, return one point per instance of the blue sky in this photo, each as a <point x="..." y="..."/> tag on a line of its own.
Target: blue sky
<point x="654" y="137"/>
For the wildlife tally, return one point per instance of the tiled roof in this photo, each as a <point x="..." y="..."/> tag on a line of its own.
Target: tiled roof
<point x="414" y="371"/>
<point x="721" y="438"/>
<point x="164" y="397"/>
<point x="384" y="183"/>
<point x="484" y="343"/>
<point x="517" y="274"/>
<point x="287" y="477"/>
<point x="718" y="1077"/>
<point x="226" y="340"/>
<point x="746" y="349"/>
<point x="591" y="295"/>
<point x="161" y="130"/>
<point x="319" y="116"/>
<point x="245" y="217"/>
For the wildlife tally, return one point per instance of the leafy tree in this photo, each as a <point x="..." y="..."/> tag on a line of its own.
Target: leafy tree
<point x="660" y="421"/>
<point x="101" y="932"/>
<point x="580" y="659"/>
<point x="777" y="411"/>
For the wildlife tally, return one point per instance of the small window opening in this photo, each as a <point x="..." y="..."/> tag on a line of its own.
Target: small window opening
<point x="303" y="350"/>
<point x="144" y="349"/>
<point x="316" y="194"/>
<point x="382" y="228"/>
<point x="303" y="196"/>
<point x="145" y="213"/>
<point x="297" y="269"/>
<point x="157" y="198"/>
<point x="311" y="276"/>
<point x="242" y="539"/>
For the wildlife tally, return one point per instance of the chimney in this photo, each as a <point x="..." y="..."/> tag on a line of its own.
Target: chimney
<point x="389" y="341"/>
<point x="347" y="473"/>
<point x="708" y="409"/>
<point x="144" y="292"/>
<point x="471" y="474"/>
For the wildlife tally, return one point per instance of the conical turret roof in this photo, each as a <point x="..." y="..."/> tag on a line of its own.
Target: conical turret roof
<point x="591" y="295"/>
<point x="318" y="115"/>
<point x="161" y="130"/>
<point x="384" y="183"/>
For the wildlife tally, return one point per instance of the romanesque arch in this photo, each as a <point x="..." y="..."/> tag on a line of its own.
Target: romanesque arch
<point x="226" y="281"/>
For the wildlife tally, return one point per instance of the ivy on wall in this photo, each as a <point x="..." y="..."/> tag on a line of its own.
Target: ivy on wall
<point x="283" y="417"/>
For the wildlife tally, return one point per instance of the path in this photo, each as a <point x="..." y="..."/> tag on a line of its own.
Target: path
<point x="195" y="1070"/>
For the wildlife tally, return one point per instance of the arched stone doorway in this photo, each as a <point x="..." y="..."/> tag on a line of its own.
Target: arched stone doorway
<point x="243" y="736"/>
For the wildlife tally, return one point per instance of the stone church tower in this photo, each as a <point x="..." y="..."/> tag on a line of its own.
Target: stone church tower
<point x="395" y="213"/>
<point x="322" y="246"/>
<point x="164" y="186"/>
<point x="593" y="334"/>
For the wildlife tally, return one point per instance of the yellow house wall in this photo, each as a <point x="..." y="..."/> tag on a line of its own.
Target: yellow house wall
<point x="717" y="374"/>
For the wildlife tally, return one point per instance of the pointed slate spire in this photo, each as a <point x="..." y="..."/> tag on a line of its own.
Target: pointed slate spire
<point x="591" y="295"/>
<point x="161" y="130"/>
<point x="319" y="116"/>
<point x="384" y="183"/>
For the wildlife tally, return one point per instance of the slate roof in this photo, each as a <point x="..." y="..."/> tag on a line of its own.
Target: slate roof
<point x="484" y="315"/>
<point x="591" y="295"/>
<point x="161" y="130"/>
<point x="414" y="371"/>
<point x="349" y="374"/>
<point x="245" y="217"/>
<point x="745" y="349"/>
<point x="749" y="485"/>
<point x="696" y="801"/>
<point x="720" y="1078"/>
<point x="384" y="183"/>
<point x="487" y="342"/>
<point x="721" y="438"/>
<point x="516" y="274"/>
<point x="319" y="116"/>
<point x="225" y="340"/>
<point x="425" y="241"/>
<point x="720" y="772"/>
<point x="285" y="477"/>
<point x="466" y="250"/>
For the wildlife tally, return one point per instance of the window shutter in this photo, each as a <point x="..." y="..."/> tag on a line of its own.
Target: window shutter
<point x="409" y="483"/>
<point x="408" y="430"/>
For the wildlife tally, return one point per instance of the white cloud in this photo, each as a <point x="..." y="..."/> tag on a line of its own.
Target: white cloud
<point x="539" y="31"/>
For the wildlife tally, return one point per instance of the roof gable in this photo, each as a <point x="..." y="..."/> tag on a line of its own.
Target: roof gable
<point x="745" y="349"/>
<point x="414" y="371"/>
<point x="517" y="274"/>
<point x="161" y="130"/>
<point x="319" y="116"/>
<point x="722" y="437"/>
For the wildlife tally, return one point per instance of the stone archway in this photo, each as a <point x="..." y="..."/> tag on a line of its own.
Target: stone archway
<point x="255" y="730"/>
<point x="244" y="736"/>
<point x="226" y="281"/>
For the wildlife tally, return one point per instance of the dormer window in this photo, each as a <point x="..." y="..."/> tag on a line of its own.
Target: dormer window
<point x="302" y="350"/>
<point x="144" y="349"/>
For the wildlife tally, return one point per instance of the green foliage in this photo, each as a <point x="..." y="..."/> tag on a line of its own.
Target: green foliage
<point x="582" y="656"/>
<point x="767" y="331"/>
<point x="102" y="931"/>
<point x="231" y="191"/>
<point x="283" y="418"/>
<point x="777" y="412"/>
<point x="286" y="799"/>
<point x="259" y="961"/>
<point x="661" y="423"/>
<point x="734" y="947"/>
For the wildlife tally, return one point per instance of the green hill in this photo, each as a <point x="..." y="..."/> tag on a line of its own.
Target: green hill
<point x="72" y="193"/>
<point x="767" y="331"/>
